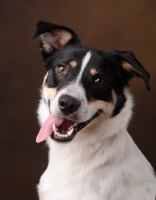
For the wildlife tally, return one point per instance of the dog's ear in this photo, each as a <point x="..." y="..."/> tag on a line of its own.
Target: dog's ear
<point x="53" y="36"/>
<point x="132" y="66"/>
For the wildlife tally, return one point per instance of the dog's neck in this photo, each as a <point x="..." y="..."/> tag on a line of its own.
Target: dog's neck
<point x="83" y="146"/>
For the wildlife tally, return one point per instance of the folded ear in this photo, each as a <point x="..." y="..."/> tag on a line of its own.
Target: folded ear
<point x="53" y="36"/>
<point x="132" y="66"/>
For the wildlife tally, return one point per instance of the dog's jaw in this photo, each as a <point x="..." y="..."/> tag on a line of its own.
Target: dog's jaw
<point x="72" y="129"/>
<point x="108" y="125"/>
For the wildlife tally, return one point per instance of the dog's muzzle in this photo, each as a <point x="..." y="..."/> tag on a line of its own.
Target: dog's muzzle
<point x="65" y="127"/>
<point x="68" y="105"/>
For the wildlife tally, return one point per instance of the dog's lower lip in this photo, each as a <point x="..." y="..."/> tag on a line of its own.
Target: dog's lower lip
<point x="67" y="135"/>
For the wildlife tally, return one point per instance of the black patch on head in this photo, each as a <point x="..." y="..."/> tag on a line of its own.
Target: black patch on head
<point x="121" y="99"/>
<point x="109" y="70"/>
<point x="50" y="80"/>
<point x="63" y="58"/>
<point x="60" y="45"/>
<point x="94" y="91"/>
<point x="133" y="67"/>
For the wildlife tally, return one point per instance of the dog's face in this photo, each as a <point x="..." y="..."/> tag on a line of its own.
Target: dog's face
<point x="82" y="83"/>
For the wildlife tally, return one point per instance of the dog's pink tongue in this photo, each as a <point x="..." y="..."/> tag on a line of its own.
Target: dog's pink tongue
<point x="47" y="128"/>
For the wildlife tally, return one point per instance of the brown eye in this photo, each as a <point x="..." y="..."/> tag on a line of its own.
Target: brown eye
<point x="99" y="81"/>
<point x="62" y="69"/>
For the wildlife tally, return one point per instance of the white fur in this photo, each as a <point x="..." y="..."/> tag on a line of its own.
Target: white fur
<point x="84" y="112"/>
<point x="101" y="163"/>
<point x="84" y="65"/>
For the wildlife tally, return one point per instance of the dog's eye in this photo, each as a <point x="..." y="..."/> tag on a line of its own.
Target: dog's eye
<point x="62" y="69"/>
<point x="99" y="81"/>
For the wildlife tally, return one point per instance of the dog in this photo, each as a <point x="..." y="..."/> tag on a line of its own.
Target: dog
<point x="84" y="111"/>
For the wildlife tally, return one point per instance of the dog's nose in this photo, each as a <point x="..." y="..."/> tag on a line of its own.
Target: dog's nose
<point x="68" y="104"/>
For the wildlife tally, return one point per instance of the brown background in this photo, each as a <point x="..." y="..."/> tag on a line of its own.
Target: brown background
<point x="101" y="24"/>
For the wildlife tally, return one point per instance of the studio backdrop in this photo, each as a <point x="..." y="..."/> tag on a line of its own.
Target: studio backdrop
<point x="104" y="25"/>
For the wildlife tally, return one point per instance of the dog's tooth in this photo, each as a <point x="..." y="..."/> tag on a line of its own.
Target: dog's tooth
<point x="75" y="124"/>
<point x="54" y="128"/>
<point x="70" y="127"/>
<point x="60" y="135"/>
<point x="70" y="132"/>
<point x="57" y="133"/>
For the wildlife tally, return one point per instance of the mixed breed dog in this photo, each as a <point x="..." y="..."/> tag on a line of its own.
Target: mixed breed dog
<point x="84" y="111"/>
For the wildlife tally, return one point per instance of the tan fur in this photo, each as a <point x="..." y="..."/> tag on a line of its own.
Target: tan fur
<point x="65" y="36"/>
<point x="93" y="71"/>
<point x="73" y="63"/>
<point x="62" y="36"/>
<point x="49" y="92"/>
<point x="45" y="79"/>
<point x="127" y="66"/>
<point x="108" y="107"/>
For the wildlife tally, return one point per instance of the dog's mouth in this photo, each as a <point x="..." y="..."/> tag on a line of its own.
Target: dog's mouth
<point x="68" y="129"/>
<point x="62" y="129"/>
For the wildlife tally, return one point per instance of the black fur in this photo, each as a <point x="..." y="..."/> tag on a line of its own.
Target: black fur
<point x="109" y="66"/>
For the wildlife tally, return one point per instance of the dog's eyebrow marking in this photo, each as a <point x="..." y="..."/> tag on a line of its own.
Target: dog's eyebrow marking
<point x="73" y="63"/>
<point x="93" y="71"/>
<point x="49" y="93"/>
<point x="83" y="66"/>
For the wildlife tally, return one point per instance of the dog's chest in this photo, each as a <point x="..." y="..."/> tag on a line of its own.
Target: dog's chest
<point x="67" y="178"/>
<point x="73" y="184"/>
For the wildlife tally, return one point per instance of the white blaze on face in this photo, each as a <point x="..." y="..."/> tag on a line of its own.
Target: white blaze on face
<point x="75" y="89"/>
<point x="85" y="61"/>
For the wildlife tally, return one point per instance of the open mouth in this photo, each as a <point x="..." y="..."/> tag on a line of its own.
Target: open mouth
<point x="68" y="129"/>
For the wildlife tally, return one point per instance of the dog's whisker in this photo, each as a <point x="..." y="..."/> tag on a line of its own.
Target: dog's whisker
<point x="31" y="103"/>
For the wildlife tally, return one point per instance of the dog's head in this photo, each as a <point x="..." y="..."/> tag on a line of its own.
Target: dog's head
<point x="82" y="83"/>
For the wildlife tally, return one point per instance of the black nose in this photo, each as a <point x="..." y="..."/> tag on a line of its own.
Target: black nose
<point x="68" y="104"/>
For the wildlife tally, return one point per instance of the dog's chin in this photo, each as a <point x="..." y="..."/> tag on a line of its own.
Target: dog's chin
<point x="68" y="129"/>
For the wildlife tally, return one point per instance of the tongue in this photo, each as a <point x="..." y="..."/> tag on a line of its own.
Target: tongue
<point x="47" y="128"/>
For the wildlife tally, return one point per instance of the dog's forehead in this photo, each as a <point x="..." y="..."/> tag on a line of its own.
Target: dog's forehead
<point x="74" y="56"/>
<point x="83" y="65"/>
<point x="95" y="63"/>
<point x="69" y="54"/>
